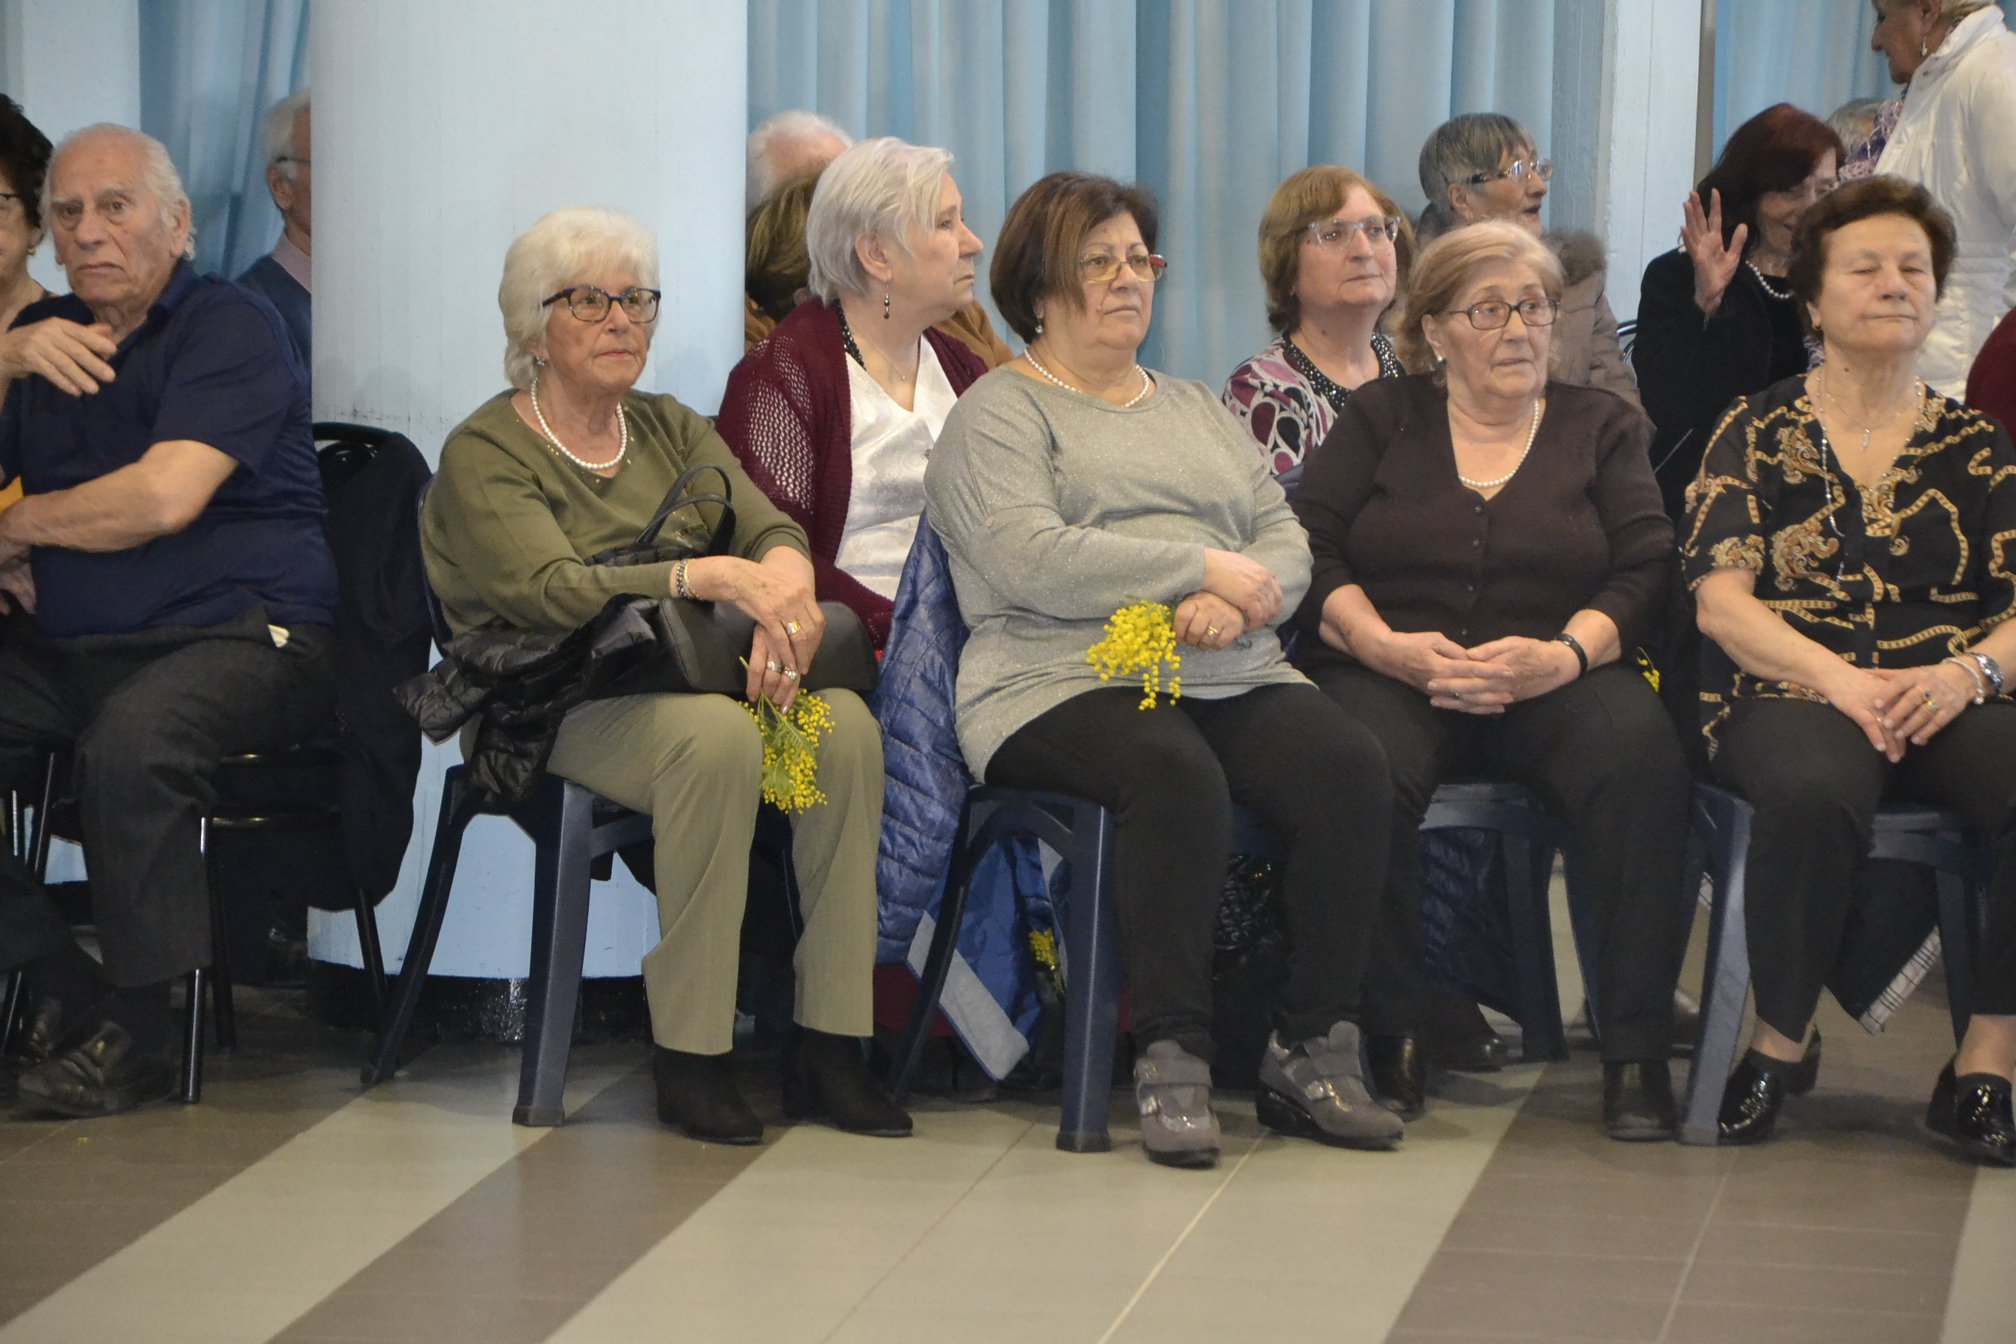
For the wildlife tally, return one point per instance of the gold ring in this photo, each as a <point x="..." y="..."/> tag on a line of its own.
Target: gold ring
<point x="773" y="666"/>
<point x="790" y="627"/>
<point x="1210" y="632"/>
<point x="1930" y="703"/>
<point x="790" y="674"/>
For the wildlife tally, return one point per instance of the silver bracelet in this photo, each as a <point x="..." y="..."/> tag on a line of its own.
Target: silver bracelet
<point x="680" y="587"/>
<point x="1975" y="675"/>
<point x="1990" y="669"/>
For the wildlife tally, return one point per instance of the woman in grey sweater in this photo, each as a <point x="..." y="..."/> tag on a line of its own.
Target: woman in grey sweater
<point x="1070" y="483"/>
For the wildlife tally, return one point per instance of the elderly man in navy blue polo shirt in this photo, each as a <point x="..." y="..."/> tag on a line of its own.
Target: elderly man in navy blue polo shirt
<point x="174" y="591"/>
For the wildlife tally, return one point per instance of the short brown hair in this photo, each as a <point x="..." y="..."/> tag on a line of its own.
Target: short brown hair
<point x="1866" y="199"/>
<point x="1309" y="197"/>
<point x="1036" y="254"/>
<point x="1444" y="268"/>
<point x="775" y="265"/>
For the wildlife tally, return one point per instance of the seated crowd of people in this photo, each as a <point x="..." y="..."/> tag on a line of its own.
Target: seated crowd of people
<point x="1441" y="525"/>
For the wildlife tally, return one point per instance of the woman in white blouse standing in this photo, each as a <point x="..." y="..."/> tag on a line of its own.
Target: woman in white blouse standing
<point x="835" y="414"/>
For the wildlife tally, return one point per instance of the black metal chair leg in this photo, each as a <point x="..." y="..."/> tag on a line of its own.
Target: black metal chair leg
<point x="457" y="809"/>
<point x="559" y="941"/>
<point x="192" y="1039"/>
<point x="220" y="949"/>
<point x="1092" y="1005"/>
<point x="369" y="950"/>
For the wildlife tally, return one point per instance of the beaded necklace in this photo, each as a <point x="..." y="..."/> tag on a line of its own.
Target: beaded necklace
<point x="1532" y="431"/>
<point x="553" y="440"/>
<point x="1147" y="383"/>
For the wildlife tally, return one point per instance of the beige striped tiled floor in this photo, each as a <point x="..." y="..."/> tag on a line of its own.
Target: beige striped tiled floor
<point x="289" y="1206"/>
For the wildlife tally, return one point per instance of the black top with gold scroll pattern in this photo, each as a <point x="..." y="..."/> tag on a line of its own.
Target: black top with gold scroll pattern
<point x="1906" y="570"/>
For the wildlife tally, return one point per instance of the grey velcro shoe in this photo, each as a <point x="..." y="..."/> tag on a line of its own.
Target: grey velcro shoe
<point x="1173" y="1090"/>
<point x="1316" y="1089"/>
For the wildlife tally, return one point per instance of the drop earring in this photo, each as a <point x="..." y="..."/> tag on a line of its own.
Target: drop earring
<point x="885" y="305"/>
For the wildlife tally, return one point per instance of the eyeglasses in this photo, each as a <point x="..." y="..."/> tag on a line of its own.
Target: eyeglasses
<point x="1807" y="192"/>
<point x="1493" y="316"/>
<point x="1518" y="170"/>
<point x="1101" y="267"/>
<point x="1338" y="234"/>
<point x="301" y="159"/>
<point x="592" y="305"/>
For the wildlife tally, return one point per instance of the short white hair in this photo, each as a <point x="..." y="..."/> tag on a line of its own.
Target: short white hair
<point x="157" y="174"/>
<point x="885" y="188"/>
<point x="558" y="251"/>
<point x="277" y="129"/>
<point x="796" y="124"/>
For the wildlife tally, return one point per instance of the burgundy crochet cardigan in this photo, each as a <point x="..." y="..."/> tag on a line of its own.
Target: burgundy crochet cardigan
<point x="788" y="416"/>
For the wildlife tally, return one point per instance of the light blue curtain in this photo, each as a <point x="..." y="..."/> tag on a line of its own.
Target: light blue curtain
<point x="1813" y="54"/>
<point x="209" y="69"/>
<point x="1210" y="102"/>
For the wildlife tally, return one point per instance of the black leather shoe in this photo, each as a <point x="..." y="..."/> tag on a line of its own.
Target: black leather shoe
<point x="105" y="1074"/>
<point x="1975" y="1113"/>
<point x="827" y="1078"/>
<point x="1399" y="1074"/>
<point x="1757" y="1087"/>
<point x="697" y="1096"/>
<point x="1638" y="1101"/>
<point x="1457" y="1036"/>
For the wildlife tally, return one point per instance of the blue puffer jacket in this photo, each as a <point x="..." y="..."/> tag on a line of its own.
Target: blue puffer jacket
<point x="990" y="995"/>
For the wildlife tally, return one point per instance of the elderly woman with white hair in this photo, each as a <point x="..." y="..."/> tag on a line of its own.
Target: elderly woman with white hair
<point x="571" y="462"/>
<point x="836" y="413"/>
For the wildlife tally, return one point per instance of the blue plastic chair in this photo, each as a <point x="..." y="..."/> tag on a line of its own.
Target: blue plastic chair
<point x="1904" y="833"/>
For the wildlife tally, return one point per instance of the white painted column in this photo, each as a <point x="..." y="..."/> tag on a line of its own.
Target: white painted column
<point x="1651" y="80"/>
<point x="442" y="131"/>
<point x="70" y="64"/>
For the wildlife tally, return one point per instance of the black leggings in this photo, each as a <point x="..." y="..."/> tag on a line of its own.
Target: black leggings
<point x="1171" y="776"/>
<point x="1815" y="782"/>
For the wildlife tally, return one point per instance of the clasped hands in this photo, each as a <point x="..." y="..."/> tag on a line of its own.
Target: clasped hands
<point x="1239" y="596"/>
<point x="1480" y="680"/>
<point x="1901" y="707"/>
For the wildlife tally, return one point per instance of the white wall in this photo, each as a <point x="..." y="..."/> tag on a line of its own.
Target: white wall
<point x="442" y="131"/>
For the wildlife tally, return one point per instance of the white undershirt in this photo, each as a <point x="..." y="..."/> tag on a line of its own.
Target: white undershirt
<point x="891" y="446"/>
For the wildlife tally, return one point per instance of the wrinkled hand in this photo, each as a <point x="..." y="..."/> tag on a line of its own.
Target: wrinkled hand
<point x="68" y="354"/>
<point x="1439" y="668"/>
<point x="1246" y="584"/>
<point x="1207" y="621"/>
<point x="17" y="582"/>
<point x="1536" y="666"/>
<point x="789" y="623"/>
<point x="1715" y="262"/>
<point x="1866" y="697"/>
<point x="1924" y="700"/>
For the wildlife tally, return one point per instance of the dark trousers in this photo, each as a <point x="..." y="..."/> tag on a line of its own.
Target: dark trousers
<point x="146" y="718"/>
<point x="1815" y="782"/>
<point x="1601" y="755"/>
<point x="1171" y="776"/>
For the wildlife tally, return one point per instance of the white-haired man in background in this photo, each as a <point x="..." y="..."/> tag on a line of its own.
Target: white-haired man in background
<point x="286" y="275"/>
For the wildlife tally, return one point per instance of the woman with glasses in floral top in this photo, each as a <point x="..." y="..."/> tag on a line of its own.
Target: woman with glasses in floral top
<point x="1334" y="251"/>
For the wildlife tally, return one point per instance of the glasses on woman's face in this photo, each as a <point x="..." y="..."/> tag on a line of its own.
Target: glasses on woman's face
<point x="1338" y="234"/>
<point x="1519" y="170"/>
<point x="1493" y="316"/>
<point x="1806" y="193"/>
<point x="1101" y="267"/>
<point x="592" y="305"/>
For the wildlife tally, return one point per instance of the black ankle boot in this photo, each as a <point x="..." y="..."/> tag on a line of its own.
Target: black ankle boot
<point x="1397" y="1068"/>
<point x="826" y="1078"/>
<point x="697" y="1096"/>
<point x="1758" y="1086"/>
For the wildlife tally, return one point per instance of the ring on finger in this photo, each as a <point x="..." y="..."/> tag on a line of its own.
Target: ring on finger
<point x="773" y="666"/>
<point x="790" y="674"/>
<point x="791" y="627"/>
<point x="1210" y="632"/>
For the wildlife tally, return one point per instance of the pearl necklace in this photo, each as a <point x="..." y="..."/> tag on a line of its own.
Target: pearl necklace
<point x="1916" y="395"/>
<point x="1532" y="431"/>
<point x="1780" y="294"/>
<point x="622" y="435"/>
<point x="1147" y="383"/>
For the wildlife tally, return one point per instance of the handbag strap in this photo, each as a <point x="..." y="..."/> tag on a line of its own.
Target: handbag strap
<point x="678" y="498"/>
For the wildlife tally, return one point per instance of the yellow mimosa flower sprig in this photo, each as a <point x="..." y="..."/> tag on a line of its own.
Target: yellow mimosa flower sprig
<point x="791" y="749"/>
<point x="1140" y="638"/>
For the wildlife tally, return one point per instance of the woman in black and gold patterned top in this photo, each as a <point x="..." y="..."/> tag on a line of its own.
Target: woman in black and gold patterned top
<point x="1851" y="544"/>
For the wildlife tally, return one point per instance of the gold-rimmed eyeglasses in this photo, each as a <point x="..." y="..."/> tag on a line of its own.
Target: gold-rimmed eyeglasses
<point x="1493" y="316"/>
<point x="1101" y="267"/>
<point x="1338" y="234"/>
<point x="591" y="304"/>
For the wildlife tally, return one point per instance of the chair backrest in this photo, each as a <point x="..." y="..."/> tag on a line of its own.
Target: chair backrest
<point x="436" y="616"/>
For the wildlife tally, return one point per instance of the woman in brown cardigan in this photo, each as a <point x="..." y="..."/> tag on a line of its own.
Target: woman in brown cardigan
<point x="1487" y="545"/>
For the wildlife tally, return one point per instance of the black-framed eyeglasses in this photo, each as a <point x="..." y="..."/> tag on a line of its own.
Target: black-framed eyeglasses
<point x="1518" y="170"/>
<point x="1337" y="234"/>
<point x="1101" y="267"/>
<point x="1494" y="316"/>
<point x="591" y="304"/>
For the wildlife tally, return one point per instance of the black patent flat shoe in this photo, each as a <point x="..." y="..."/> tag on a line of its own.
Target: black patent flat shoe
<point x="1458" y="1037"/>
<point x="1757" y="1088"/>
<point x="1974" y="1112"/>
<point x="105" y="1074"/>
<point x="1398" y="1072"/>
<point x="1638" y="1104"/>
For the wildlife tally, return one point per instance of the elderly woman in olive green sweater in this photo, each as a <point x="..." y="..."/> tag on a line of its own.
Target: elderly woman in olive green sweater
<point x="572" y="462"/>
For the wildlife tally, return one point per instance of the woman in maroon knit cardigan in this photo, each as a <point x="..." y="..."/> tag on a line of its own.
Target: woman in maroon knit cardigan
<point x="834" y="415"/>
